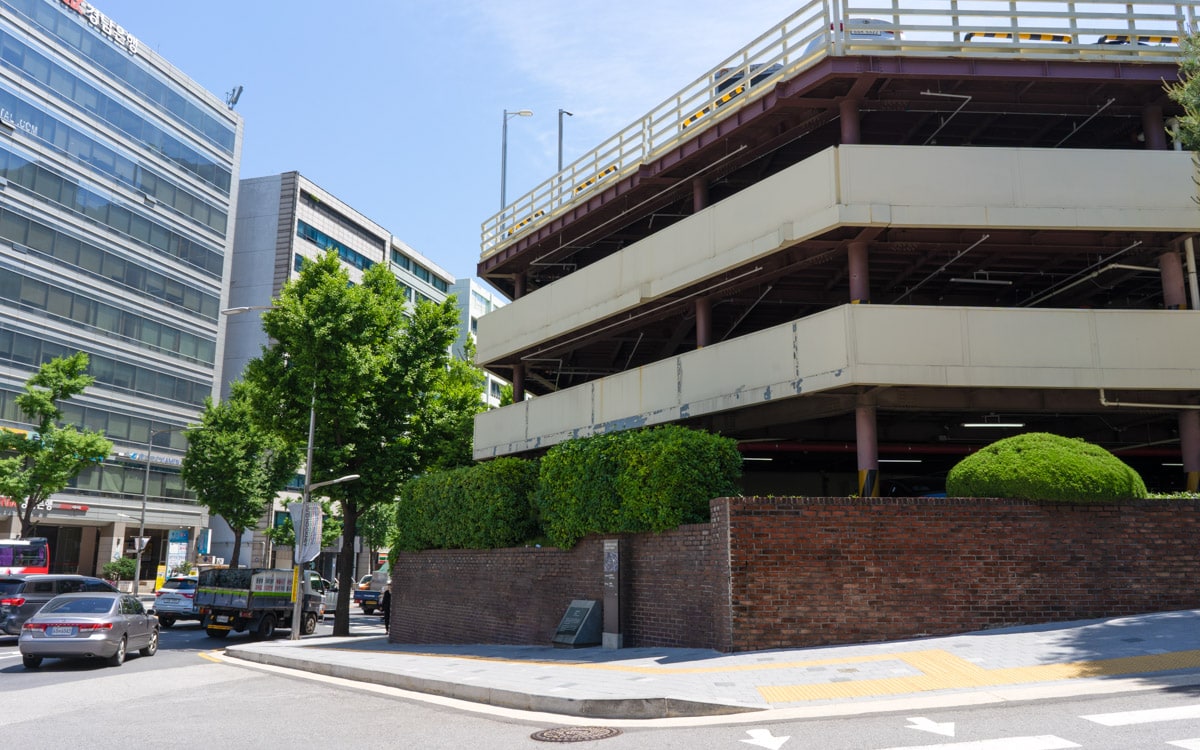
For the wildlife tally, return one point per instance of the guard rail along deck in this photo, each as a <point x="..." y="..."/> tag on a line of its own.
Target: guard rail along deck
<point x="1028" y="29"/>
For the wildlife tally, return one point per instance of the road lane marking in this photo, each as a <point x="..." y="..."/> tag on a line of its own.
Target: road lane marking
<point x="1042" y="742"/>
<point x="1146" y="716"/>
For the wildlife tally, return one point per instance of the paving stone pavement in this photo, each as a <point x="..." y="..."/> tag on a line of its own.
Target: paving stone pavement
<point x="1124" y="653"/>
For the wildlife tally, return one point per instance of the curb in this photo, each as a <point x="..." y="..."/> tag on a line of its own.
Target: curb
<point x="595" y="708"/>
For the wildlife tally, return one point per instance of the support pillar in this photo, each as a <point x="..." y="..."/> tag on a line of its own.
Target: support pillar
<point x="867" y="440"/>
<point x="518" y="383"/>
<point x="703" y="322"/>
<point x="1154" y="128"/>
<point x="1189" y="446"/>
<point x="699" y="195"/>
<point x="1170" y="266"/>
<point x="860" y="278"/>
<point x="851" y="121"/>
<point x="518" y="286"/>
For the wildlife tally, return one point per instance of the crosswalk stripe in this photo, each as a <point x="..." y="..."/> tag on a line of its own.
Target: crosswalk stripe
<point x="1124" y="718"/>
<point x="1186" y="744"/>
<point x="1041" y="742"/>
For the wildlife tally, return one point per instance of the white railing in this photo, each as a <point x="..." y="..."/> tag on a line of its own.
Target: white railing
<point x="1029" y="29"/>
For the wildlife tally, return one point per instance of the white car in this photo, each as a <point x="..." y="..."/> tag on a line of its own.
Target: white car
<point x="176" y="600"/>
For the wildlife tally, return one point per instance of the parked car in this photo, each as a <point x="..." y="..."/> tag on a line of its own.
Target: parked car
<point x="176" y="600"/>
<point x="327" y="589"/>
<point x="101" y="624"/>
<point x="857" y="30"/>
<point x="364" y="583"/>
<point x="23" y="594"/>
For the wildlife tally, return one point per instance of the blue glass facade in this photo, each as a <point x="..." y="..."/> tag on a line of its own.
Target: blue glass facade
<point x="117" y="179"/>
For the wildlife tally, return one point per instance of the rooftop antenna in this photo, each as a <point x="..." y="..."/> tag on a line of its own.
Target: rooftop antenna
<point x="231" y="98"/>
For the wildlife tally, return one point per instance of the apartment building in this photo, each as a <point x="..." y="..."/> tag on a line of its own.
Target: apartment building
<point x="118" y="177"/>
<point x="474" y="301"/>
<point x="868" y="244"/>
<point x="282" y="220"/>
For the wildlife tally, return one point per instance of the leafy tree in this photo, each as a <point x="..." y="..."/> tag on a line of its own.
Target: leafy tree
<point x="446" y="426"/>
<point x="1186" y="92"/>
<point x="33" y="467"/>
<point x="284" y="535"/>
<point x="369" y="372"/>
<point x="235" y="467"/>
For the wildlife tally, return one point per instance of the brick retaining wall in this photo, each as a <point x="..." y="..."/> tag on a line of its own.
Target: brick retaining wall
<point x="788" y="572"/>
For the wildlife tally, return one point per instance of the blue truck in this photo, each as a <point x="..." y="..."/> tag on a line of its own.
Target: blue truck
<point x="371" y="598"/>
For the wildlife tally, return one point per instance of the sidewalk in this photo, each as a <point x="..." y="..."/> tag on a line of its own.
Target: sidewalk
<point x="1025" y="663"/>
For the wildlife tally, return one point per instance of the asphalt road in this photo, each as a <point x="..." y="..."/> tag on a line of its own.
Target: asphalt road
<point x="188" y="695"/>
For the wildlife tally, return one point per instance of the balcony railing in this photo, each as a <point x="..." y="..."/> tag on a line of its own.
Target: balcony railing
<point x="1027" y="29"/>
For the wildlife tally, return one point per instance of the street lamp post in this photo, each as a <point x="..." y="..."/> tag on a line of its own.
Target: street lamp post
<point x="504" y="152"/>
<point x="141" y="537"/>
<point x="561" y="112"/>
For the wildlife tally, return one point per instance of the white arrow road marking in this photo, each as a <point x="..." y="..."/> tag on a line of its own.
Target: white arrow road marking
<point x="1186" y="744"/>
<point x="763" y="738"/>
<point x="1044" y="742"/>
<point x="929" y="725"/>
<point x="1124" y="718"/>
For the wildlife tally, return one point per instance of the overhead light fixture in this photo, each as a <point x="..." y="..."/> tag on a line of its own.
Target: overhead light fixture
<point x="900" y="460"/>
<point x="991" y="420"/>
<point x="1172" y="464"/>
<point x="977" y="279"/>
<point x="757" y="458"/>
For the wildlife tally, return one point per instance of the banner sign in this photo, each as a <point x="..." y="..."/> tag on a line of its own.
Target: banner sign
<point x="307" y="528"/>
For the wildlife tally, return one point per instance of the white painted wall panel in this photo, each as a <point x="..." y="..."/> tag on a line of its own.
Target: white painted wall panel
<point x="860" y="185"/>
<point x="1073" y="349"/>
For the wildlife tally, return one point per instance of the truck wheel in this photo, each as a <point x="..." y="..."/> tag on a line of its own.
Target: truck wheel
<point x="216" y="632"/>
<point x="310" y="623"/>
<point x="166" y="620"/>
<point x="266" y="628"/>
<point x="368" y="609"/>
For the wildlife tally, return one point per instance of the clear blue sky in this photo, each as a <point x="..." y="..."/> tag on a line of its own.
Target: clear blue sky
<point x="396" y="106"/>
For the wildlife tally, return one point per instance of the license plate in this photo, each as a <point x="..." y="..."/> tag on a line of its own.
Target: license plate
<point x="223" y="618"/>
<point x="61" y="630"/>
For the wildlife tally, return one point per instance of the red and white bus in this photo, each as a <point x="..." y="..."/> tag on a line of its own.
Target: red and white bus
<point x="30" y="555"/>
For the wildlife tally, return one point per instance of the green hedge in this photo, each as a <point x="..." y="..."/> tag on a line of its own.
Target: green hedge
<point x="1042" y="466"/>
<point x="641" y="480"/>
<point x="628" y="482"/>
<point x="484" y="506"/>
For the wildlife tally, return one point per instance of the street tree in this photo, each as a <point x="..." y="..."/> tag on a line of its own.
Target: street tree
<point x="36" y="464"/>
<point x="367" y="368"/>
<point x="1186" y="91"/>
<point x="235" y="467"/>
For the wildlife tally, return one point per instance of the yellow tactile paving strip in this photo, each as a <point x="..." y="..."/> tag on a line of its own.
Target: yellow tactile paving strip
<point x="941" y="670"/>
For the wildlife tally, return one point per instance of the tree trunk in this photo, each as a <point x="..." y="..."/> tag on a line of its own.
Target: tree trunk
<point x="237" y="547"/>
<point x="345" y="569"/>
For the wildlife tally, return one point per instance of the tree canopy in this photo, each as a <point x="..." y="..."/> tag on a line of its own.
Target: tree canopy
<point x="1186" y="92"/>
<point x="234" y="467"/>
<point x="370" y="370"/>
<point x="35" y="465"/>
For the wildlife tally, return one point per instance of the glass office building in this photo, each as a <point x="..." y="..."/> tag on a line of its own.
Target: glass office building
<point x="118" y="177"/>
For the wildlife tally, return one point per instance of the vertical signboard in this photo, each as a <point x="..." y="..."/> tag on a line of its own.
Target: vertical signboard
<point x="307" y="528"/>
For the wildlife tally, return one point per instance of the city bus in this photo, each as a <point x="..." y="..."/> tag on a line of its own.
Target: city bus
<point x="30" y="555"/>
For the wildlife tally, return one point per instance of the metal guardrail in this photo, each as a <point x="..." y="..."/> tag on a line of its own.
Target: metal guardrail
<point x="1029" y="29"/>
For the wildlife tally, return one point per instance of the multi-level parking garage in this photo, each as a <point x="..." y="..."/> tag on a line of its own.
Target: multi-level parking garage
<point x="850" y="239"/>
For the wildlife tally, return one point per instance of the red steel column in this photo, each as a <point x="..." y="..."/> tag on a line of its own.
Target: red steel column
<point x="867" y="439"/>
<point x="851" y="130"/>
<point x="860" y="277"/>
<point x="1189" y="446"/>
<point x="1170" y="266"/>
<point x="703" y="322"/>
<point x="1154" y="128"/>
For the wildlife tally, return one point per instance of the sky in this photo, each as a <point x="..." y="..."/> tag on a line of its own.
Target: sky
<point x="397" y="106"/>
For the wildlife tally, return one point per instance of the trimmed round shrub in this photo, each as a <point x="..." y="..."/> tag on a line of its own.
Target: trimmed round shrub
<point x="1042" y="466"/>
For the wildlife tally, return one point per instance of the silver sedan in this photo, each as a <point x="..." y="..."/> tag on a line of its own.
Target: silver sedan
<point x="89" y="625"/>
